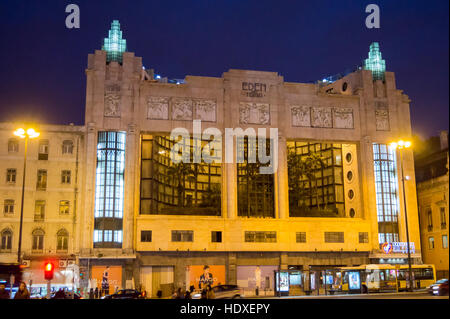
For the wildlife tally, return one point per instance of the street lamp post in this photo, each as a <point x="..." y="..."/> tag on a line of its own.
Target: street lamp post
<point x="400" y="145"/>
<point x="30" y="133"/>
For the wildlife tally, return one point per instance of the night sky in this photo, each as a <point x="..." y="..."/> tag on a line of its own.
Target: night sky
<point x="42" y="63"/>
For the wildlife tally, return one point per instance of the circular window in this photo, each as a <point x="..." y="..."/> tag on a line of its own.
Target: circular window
<point x="351" y="194"/>
<point x="349" y="175"/>
<point x="344" y="87"/>
<point x="348" y="157"/>
<point x="352" y="212"/>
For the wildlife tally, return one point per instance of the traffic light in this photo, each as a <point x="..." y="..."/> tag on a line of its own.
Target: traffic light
<point x="48" y="270"/>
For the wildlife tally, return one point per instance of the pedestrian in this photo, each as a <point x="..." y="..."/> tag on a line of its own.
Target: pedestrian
<point x="209" y="292"/>
<point x="187" y="295"/>
<point x="3" y="293"/>
<point x="203" y="294"/>
<point x="91" y="293"/>
<point x="96" y="293"/>
<point x="23" y="292"/>
<point x="60" y="294"/>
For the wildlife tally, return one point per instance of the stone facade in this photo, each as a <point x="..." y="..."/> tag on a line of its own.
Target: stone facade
<point x="119" y="99"/>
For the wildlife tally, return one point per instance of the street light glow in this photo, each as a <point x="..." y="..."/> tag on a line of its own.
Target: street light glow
<point x="401" y="144"/>
<point x="31" y="133"/>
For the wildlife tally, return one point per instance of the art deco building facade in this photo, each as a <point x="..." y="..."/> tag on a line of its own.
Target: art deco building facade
<point x="334" y="198"/>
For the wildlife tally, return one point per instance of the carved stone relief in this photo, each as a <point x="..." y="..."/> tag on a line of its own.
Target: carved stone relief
<point x="254" y="113"/>
<point x="112" y="105"/>
<point x="321" y="117"/>
<point x="205" y="110"/>
<point x="181" y="109"/>
<point x="112" y="101"/>
<point x="343" y="118"/>
<point x="301" y="116"/>
<point x="158" y="108"/>
<point x="382" y="119"/>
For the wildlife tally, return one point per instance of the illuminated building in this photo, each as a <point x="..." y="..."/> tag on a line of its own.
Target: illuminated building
<point x="157" y="224"/>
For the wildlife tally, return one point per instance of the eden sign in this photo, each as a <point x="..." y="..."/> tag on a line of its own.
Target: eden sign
<point x="251" y="89"/>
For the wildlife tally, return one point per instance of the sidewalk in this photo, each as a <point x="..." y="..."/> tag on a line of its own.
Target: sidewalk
<point x="416" y="292"/>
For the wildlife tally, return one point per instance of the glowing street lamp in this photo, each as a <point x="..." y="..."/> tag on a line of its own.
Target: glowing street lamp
<point x="401" y="145"/>
<point x="29" y="133"/>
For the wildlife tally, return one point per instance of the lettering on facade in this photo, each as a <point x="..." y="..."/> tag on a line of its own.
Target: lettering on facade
<point x="250" y="89"/>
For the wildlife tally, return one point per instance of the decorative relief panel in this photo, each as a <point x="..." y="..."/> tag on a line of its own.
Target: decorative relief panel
<point x="254" y="113"/>
<point x="181" y="109"/>
<point x="343" y="118"/>
<point x="158" y="108"/>
<point x="205" y="110"/>
<point x="301" y="116"/>
<point x="112" y="101"/>
<point x="321" y="117"/>
<point x="382" y="119"/>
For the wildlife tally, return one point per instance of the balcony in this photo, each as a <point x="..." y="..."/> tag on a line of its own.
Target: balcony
<point x="41" y="186"/>
<point x="39" y="217"/>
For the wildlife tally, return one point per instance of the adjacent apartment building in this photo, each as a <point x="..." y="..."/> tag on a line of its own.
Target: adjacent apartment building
<point x="137" y="219"/>
<point x="432" y="195"/>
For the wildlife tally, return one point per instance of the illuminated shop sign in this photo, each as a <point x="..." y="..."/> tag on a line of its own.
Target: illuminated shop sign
<point x="398" y="247"/>
<point x="283" y="281"/>
<point x="354" y="280"/>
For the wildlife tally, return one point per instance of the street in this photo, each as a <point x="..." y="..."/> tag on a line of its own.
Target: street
<point x="402" y="295"/>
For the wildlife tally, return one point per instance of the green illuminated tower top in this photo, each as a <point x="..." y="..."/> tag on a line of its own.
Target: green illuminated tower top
<point x="114" y="45"/>
<point x="375" y="63"/>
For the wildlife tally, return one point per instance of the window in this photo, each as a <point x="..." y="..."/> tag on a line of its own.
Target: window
<point x="43" y="150"/>
<point x="98" y="236"/>
<point x="64" y="207"/>
<point x="67" y="147"/>
<point x="334" y="237"/>
<point x="444" y="241"/>
<point x="65" y="177"/>
<point x="8" y="206"/>
<point x="363" y="237"/>
<point x="260" y="237"/>
<point x="430" y="220"/>
<point x="255" y="193"/>
<point x="169" y="188"/>
<point x="13" y="145"/>
<point x="107" y="235"/>
<point x="216" y="236"/>
<point x="118" y="236"/>
<point x="41" y="179"/>
<point x="109" y="188"/>
<point x="386" y="191"/>
<point x="6" y="241"/>
<point x="62" y="239"/>
<point x="146" y="236"/>
<point x="182" y="235"/>
<point x="431" y="242"/>
<point x="38" y="240"/>
<point x="11" y="175"/>
<point x="300" y="237"/>
<point x="443" y="218"/>
<point x="315" y="179"/>
<point x="39" y="210"/>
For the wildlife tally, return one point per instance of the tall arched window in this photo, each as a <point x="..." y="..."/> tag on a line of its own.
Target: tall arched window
<point x="6" y="240"/>
<point x="62" y="238"/>
<point x="67" y="147"/>
<point x="38" y="240"/>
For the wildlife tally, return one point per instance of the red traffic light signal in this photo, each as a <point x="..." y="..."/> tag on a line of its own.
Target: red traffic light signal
<point x="48" y="271"/>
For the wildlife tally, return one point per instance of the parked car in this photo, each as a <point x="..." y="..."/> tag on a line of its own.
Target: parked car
<point x="223" y="292"/>
<point x="439" y="288"/>
<point x="125" y="294"/>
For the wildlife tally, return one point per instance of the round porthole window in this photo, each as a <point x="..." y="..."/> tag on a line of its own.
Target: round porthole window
<point x="348" y="157"/>
<point x="344" y="86"/>
<point x="351" y="194"/>
<point x="352" y="212"/>
<point x="349" y="175"/>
